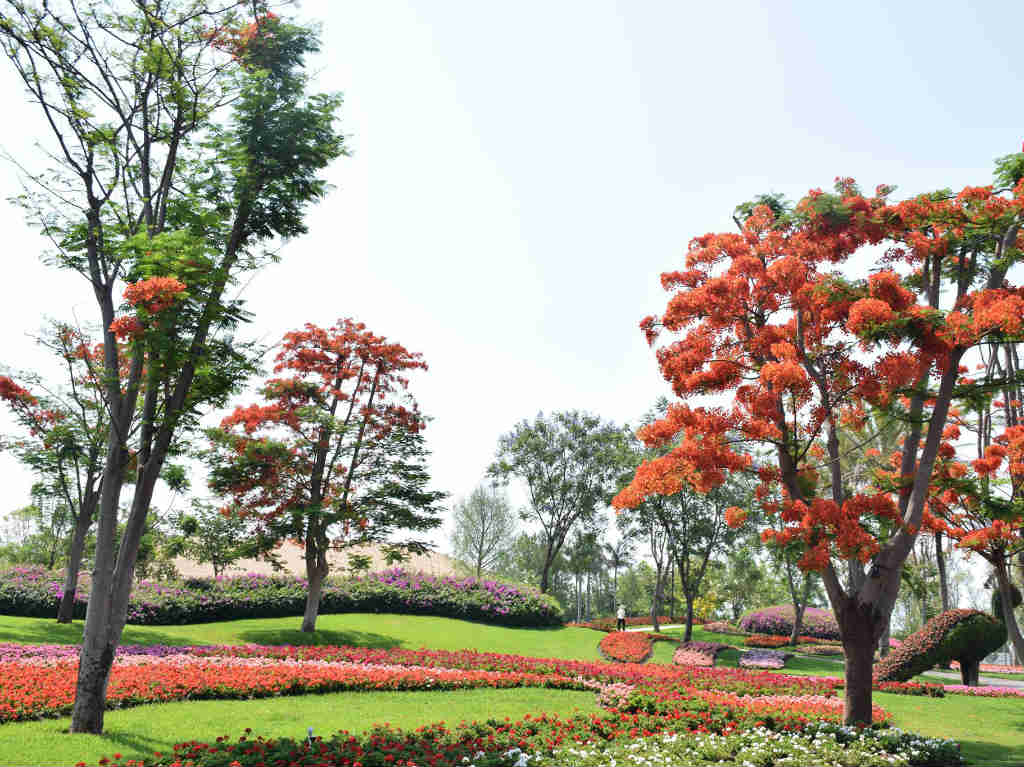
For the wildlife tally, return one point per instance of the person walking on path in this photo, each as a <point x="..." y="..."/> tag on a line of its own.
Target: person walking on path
<point x="620" y="623"/>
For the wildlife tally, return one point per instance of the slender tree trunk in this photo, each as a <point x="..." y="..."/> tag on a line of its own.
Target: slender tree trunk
<point x="688" y="633"/>
<point x="659" y="584"/>
<point x="98" y="645"/>
<point x="940" y="561"/>
<point x="309" y="616"/>
<point x="66" y="610"/>
<point x="1006" y="596"/>
<point x="316" y="572"/>
<point x="798" y="621"/>
<point x="672" y="590"/>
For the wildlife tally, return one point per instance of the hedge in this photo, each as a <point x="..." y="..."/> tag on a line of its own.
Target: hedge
<point x="35" y="592"/>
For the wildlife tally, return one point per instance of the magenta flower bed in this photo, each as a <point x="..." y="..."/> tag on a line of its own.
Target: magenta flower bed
<point x="778" y="620"/>
<point x="770" y="659"/>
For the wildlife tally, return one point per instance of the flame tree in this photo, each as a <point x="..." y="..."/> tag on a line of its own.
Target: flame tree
<point x="779" y="317"/>
<point x="335" y="458"/>
<point x="179" y="137"/>
<point x="979" y="503"/>
<point x="63" y="434"/>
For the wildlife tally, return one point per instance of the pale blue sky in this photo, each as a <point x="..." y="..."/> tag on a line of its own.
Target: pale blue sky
<point x="523" y="172"/>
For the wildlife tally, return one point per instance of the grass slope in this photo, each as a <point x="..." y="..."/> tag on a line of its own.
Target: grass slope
<point x="359" y="629"/>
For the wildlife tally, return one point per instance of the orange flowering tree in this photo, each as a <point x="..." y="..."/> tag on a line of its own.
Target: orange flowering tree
<point x="335" y="458"/>
<point x="979" y="503"/>
<point x="781" y="318"/>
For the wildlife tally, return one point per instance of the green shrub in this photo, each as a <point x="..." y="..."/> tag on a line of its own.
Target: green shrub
<point x="966" y="636"/>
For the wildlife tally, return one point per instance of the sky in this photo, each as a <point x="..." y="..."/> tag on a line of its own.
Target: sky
<point x="521" y="174"/>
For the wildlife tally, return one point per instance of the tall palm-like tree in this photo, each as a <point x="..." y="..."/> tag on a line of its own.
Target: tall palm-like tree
<point x="619" y="555"/>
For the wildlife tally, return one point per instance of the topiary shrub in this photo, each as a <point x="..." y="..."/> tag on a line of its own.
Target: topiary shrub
<point x="778" y="620"/>
<point x="966" y="636"/>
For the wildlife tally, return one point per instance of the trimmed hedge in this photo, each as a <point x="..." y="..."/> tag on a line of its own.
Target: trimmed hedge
<point x="34" y="592"/>
<point x="966" y="636"/>
<point x="778" y="620"/>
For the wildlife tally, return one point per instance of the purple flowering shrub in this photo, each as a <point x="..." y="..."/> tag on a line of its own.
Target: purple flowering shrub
<point x="35" y="592"/>
<point x="778" y="620"/>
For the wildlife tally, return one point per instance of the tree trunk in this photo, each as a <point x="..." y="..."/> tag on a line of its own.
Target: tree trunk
<point x="316" y="572"/>
<point x="98" y="642"/>
<point x="940" y="561"/>
<point x="66" y="610"/>
<point x="884" y="640"/>
<point x="545" y="573"/>
<point x="859" y="648"/>
<point x="688" y="633"/>
<point x="656" y="601"/>
<point x="316" y="583"/>
<point x="1006" y="596"/>
<point x="969" y="671"/>
<point x="798" y="622"/>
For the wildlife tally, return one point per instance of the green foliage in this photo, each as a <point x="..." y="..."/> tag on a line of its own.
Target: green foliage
<point x="780" y="207"/>
<point x="484" y="524"/>
<point x="208" y="535"/>
<point x="569" y="463"/>
<point x="1009" y="169"/>
<point x="997" y="601"/>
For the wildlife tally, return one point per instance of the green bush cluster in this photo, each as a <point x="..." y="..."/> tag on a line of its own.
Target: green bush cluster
<point x="966" y="636"/>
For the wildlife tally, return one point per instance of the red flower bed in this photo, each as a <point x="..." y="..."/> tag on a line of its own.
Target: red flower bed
<point x="32" y="690"/>
<point x="765" y="640"/>
<point x="627" y="646"/>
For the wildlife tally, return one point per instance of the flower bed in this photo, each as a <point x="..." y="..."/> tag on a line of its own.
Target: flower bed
<point x="994" y="668"/>
<point x="42" y="684"/>
<point x="643" y="701"/>
<point x="721" y="627"/>
<point x="778" y="621"/>
<point x="765" y="640"/>
<point x="546" y="741"/>
<point x="770" y="659"/>
<point x="626" y="646"/>
<point x="820" y="649"/>
<point x="36" y="593"/>
<point x="698" y="653"/>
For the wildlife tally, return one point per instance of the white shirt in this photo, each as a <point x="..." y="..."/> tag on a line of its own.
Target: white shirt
<point x="621" y="613"/>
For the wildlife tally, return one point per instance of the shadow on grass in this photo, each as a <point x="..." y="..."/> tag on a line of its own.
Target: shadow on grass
<point x="980" y="752"/>
<point x="328" y="637"/>
<point x="42" y="631"/>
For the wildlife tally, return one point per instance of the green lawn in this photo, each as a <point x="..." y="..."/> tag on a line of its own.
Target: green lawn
<point x="137" y="732"/>
<point x="990" y="730"/>
<point x="362" y="629"/>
